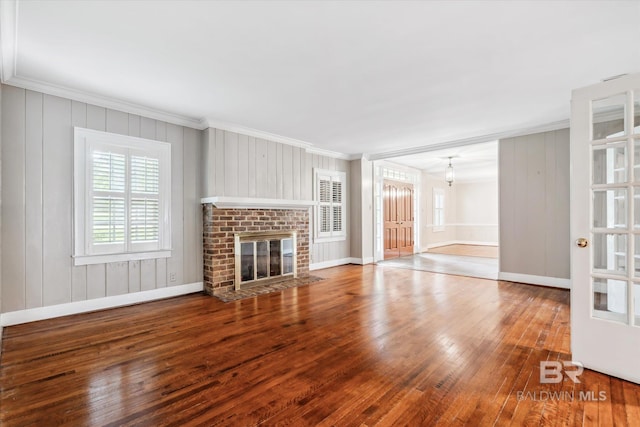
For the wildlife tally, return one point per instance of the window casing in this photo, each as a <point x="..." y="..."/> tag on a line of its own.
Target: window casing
<point x="438" y="209"/>
<point x="330" y="197"/>
<point x="122" y="198"/>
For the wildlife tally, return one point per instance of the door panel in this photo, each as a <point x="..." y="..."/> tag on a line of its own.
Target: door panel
<point x="398" y="219"/>
<point x="605" y="210"/>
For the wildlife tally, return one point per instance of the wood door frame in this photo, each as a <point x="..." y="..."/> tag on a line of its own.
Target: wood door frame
<point x="378" y="215"/>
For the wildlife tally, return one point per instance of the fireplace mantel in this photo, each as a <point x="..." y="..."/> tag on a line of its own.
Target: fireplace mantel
<point x="255" y="203"/>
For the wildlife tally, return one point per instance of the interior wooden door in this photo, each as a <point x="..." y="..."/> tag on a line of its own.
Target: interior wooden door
<point x="398" y="219"/>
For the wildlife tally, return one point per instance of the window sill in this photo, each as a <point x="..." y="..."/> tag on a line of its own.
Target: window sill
<point x="106" y="258"/>
<point x="438" y="229"/>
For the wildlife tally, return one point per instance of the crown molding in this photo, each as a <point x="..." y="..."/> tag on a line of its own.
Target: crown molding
<point x="334" y="154"/>
<point x="244" y="130"/>
<point x="8" y="38"/>
<point x="105" y="101"/>
<point x="546" y="127"/>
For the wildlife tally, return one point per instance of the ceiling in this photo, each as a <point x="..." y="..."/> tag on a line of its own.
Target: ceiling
<point x="477" y="162"/>
<point x="347" y="76"/>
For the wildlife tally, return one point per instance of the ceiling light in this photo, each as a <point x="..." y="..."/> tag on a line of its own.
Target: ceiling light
<point x="448" y="173"/>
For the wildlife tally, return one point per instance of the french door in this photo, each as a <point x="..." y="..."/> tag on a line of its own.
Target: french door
<point x="398" y="219"/>
<point x="605" y="227"/>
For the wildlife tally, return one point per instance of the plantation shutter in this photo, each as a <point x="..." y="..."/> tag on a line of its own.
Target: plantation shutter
<point x="330" y="198"/>
<point x="145" y="202"/>
<point x="108" y="201"/>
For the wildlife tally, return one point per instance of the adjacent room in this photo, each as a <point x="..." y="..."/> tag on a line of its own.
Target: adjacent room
<point x="458" y="212"/>
<point x="319" y="213"/>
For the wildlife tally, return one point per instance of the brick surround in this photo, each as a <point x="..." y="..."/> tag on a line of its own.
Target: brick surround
<point x="220" y="225"/>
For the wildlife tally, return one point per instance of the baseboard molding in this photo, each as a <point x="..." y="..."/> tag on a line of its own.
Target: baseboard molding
<point x="334" y="263"/>
<point x="458" y="242"/>
<point x="42" y="313"/>
<point x="554" y="282"/>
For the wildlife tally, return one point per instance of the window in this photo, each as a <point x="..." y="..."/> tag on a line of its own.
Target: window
<point x="438" y="209"/>
<point x="122" y="198"/>
<point x="330" y="210"/>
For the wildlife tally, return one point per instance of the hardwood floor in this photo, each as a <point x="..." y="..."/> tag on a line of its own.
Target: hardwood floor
<point x="366" y="346"/>
<point x="467" y="250"/>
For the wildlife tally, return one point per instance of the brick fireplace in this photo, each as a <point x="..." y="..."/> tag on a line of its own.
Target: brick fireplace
<point x="224" y="221"/>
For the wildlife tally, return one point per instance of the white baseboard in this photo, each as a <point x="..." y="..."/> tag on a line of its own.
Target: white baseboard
<point x="334" y="263"/>
<point x="457" y="242"/>
<point x="554" y="282"/>
<point x="42" y="313"/>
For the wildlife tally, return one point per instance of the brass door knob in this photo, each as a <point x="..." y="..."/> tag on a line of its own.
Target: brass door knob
<point x="582" y="242"/>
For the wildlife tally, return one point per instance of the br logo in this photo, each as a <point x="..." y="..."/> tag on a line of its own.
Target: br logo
<point x="554" y="371"/>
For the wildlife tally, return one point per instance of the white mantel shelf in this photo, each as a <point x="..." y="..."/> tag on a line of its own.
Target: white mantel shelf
<point x="256" y="203"/>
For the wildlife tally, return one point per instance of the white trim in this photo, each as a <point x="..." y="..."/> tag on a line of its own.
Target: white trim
<point x="49" y="312"/>
<point x="334" y="154"/>
<point x="8" y="38"/>
<point x="555" y="282"/>
<point x="334" y="263"/>
<point x="453" y="224"/>
<point x="458" y="242"/>
<point x="252" y="202"/>
<point x="545" y="127"/>
<point x="133" y="256"/>
<point x="245" y="130"/>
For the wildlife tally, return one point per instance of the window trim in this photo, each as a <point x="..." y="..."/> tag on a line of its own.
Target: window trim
<point x="85" y="140"/>
<point x="330" y="236"/>
<point x="438" y="192"/>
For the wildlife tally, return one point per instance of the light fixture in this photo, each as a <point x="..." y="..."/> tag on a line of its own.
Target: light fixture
<point x="448" y="173"/>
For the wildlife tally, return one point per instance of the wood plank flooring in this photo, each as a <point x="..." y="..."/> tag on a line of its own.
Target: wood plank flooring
<point x="467" y="250"/>
<point x="367" y="346"/>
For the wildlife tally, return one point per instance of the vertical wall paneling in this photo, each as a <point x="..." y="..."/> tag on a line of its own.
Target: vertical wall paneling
<point x="147" y="274"/>
<point x="251" y="173"/>
<point x="57" y="199"/>
<point x="37" y="185"/>
<point x="534" y="204"/>
<point x="13" y="198"/>
<point x="296" y="157"/>
<point x="306" y="179"/>
<point x="134" y="276"/>
<point x="262" y="160"/>
<point x="219" y="165"/>
<point x="161" y="273"/>
<point x="96" y="281"/>
<point x="161" y="131"/>
<point x="287" y="172"/>
<point x="96" y="118"/>
<point x="78" y="273"/>
<point x="175" y="272"/>
<point x="243" y="165"/>
<point x="279" y="172"/>
<point x="231" y="163"/>
<point x="272" y="171"/>
<point x="33" y="199"/>
<point x="507" y="191"/>
<point x="134" y="125"/>
<point x="117" y="122"/>
<point x="117" y="278"/>
<point x="191" y="203"/>
<point x="147" y="128"/>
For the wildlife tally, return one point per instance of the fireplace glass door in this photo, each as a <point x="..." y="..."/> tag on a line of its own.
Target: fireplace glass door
<point x="264" y="257"/>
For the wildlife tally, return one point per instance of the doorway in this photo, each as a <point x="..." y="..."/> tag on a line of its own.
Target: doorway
<point x="398" y="218"/>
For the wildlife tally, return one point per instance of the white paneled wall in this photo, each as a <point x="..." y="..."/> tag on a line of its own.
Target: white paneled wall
<point x="534" y="204"/>
<point x="37" y="187"/>
<point x="245" y="166"/>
